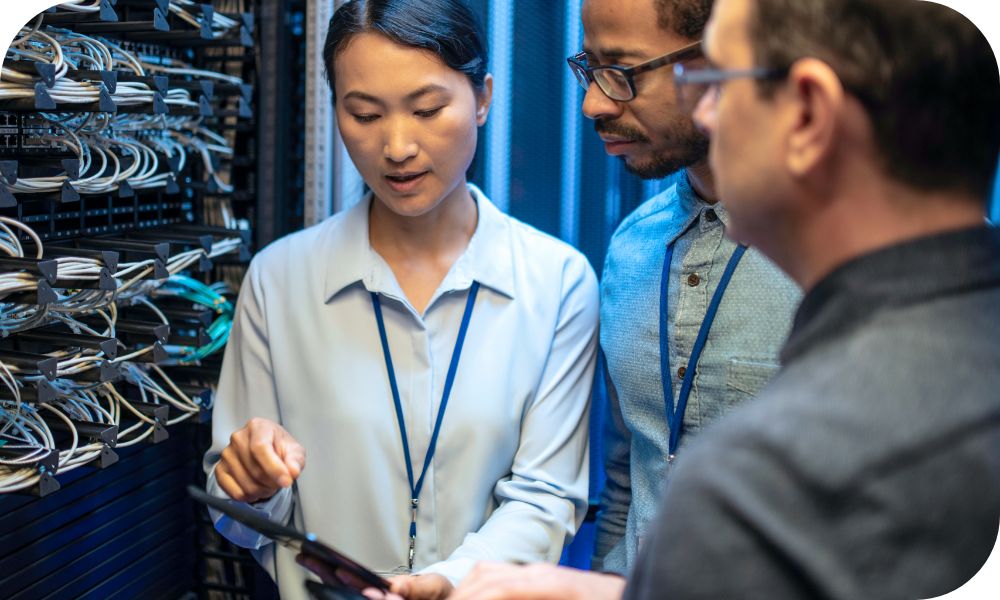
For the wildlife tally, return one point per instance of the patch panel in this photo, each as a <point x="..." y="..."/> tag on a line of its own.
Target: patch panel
<point x="127" y="168"/>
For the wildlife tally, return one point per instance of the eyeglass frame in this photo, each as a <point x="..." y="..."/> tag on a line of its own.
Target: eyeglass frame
<point x="714" y="77"/>
<point x="578" y="61"/>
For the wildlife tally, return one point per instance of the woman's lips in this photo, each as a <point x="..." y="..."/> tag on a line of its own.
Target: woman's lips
<point x="402" y="184"/>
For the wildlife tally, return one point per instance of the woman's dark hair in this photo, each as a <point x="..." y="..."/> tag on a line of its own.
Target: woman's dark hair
<point x="448" y="28"/>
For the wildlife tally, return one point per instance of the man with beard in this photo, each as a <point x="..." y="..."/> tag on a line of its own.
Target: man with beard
<point x="691" y="322"/>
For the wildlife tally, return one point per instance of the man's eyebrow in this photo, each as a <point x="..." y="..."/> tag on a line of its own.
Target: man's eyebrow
<point x="613" y="55"/>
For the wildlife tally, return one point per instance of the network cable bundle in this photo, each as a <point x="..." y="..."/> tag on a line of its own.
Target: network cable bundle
<point x="134" y="174"/>
<point x="121" y="238"/>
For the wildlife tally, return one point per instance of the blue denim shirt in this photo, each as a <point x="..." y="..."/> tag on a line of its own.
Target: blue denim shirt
<point x="740" y="355"/>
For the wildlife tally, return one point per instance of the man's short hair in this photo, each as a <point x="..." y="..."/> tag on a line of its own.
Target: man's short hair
<point x="926" y="75"/>
<point x="686" y="18"/>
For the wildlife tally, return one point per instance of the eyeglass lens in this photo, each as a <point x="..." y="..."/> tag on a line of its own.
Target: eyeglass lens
<point x="613" y="83"/>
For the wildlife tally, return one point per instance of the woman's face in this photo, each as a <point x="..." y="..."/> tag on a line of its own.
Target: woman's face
<point x="408" y="120"/>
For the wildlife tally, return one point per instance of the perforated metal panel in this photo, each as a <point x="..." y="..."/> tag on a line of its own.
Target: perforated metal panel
<point x="123" y="532"/>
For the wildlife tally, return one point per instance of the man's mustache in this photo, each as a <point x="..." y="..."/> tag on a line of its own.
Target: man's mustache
<point x="619" y="130"/>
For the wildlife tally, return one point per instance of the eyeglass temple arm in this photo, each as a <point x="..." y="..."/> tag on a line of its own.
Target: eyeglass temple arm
<point x="710" y="76"/>
<point x="689" y="52"/>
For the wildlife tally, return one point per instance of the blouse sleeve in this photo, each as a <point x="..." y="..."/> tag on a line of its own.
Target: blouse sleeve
<point x="246" y="390"/>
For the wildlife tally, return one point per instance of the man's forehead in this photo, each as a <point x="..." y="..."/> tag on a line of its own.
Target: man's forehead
<point x="616" y="15"/>
<point x="726" y="31"/>
<point x="622" y="29"/>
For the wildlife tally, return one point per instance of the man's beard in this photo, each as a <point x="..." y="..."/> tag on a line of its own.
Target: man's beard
<point x="688" y="147"/>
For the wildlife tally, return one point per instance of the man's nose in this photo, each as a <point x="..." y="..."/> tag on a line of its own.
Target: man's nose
<point x="596" y="105"/>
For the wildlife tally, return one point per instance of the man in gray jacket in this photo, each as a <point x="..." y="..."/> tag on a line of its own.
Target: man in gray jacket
<point x="854" y="142"/>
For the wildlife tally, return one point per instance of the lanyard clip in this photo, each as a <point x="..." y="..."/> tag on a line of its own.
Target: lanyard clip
<point x="671" y="458"/>
<point x="414" y="503"/>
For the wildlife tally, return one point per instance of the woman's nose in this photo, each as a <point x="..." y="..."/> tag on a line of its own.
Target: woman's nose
<point x="400" y="143"/>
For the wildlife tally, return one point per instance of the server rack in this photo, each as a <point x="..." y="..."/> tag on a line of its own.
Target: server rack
<point x="146" y="147"/>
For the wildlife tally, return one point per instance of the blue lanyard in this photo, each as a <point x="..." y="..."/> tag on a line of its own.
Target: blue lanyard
<point x="449" y="380"/>
<point x="675" y="415"/>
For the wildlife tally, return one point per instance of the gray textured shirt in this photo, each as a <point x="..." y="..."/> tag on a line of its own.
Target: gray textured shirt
<point x="740" y="356"/>
<point x="870" y="466"/>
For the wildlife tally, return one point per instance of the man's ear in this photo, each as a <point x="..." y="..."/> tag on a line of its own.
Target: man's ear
<point x="484" y="99"/>
<point x="817" y="96"/>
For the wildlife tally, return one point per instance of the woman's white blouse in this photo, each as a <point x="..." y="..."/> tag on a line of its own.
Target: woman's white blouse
<point x="508" y="481"/>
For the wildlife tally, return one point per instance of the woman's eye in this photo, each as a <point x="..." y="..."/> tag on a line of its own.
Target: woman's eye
<point x="365" y="118"/>
<point x="429" y="112"/>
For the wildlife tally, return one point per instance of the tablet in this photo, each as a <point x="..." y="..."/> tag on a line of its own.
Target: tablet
<point x="359" y="577"/>
<point x="319" y="591"/>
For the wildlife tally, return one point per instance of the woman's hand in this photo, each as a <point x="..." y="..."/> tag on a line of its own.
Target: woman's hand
<point x="261" y="458"/>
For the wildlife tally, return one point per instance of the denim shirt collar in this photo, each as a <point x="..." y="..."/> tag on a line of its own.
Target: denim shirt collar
<point x="907" y="273"/>
<point x="487" y="259"/>
<point x="692" y="208"/>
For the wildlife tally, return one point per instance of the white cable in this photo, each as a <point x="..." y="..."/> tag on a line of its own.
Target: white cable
<point x="165" y="66"/>
<point x="28" y="230"/>
<point x="81" y="5"/>
<point x="31" y="46"/>
<point x="24" y="38"/>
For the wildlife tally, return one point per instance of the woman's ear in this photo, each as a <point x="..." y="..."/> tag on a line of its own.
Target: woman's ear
<point x="484" y="98"/>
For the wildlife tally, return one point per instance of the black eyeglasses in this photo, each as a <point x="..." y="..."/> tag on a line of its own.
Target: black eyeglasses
<point x="617" y="82"/>
<point x="693" y="84"/>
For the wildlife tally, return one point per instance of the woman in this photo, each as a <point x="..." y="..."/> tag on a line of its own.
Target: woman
<point x="432" y="356"/>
